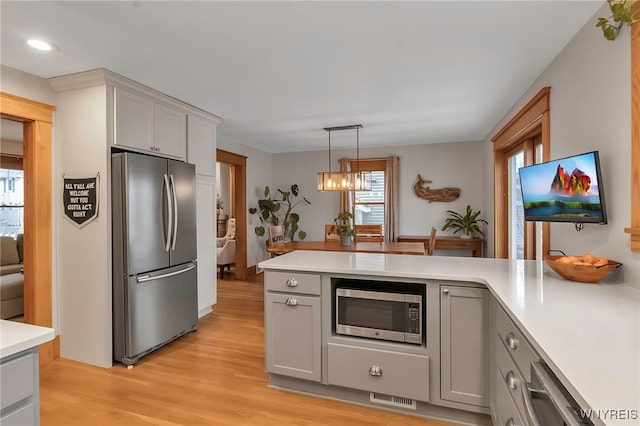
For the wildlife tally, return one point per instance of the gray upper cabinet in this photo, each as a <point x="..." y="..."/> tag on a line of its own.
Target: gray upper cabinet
<point x="464" y="352"/>
<point x="142" y="123"/>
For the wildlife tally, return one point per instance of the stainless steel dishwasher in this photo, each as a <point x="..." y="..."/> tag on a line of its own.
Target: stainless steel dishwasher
<point x="548" y="403"/>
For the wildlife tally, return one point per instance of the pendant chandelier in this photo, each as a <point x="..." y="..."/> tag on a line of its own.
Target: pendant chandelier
<point x="345" y="180"/>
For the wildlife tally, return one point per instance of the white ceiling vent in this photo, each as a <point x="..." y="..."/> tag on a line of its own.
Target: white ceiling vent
<point x="396" y="401"/>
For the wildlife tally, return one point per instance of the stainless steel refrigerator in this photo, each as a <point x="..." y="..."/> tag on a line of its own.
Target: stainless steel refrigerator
<point x="155" y="294"/>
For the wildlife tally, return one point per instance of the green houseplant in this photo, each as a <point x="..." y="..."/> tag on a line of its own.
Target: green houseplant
<point x="342" y="227"/>
<point x="467" y="223"/>
<point x="621" y="12"/>
<point x="278" y="210"/>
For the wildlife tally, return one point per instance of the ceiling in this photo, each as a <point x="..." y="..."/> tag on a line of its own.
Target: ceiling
<point x="278" y="72"/>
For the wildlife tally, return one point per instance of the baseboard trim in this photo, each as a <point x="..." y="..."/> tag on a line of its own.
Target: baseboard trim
<point x="252" y="271"/>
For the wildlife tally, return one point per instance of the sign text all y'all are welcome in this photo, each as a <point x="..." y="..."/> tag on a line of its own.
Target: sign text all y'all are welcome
<point x="79" y="201"/>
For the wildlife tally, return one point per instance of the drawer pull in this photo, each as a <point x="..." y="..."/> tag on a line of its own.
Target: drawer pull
<point x="291" y="301"/>
<point x="510" y="422"/>
<point x="375" y="371"/>
<point x="292" y="282"/>
<point x="511" y="380"/>
<point x="511" y="340"/>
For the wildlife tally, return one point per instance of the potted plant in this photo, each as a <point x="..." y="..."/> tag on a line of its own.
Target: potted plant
<point x="219" y="207"/>
<point x="342" y="227"/>
<point x="468" y="224"/>
<point x="278" y="211"/>
<point x="621" y="12"/>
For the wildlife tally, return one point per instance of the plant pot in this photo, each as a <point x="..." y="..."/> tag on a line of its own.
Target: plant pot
<point x="346" y="240"/>
<point x="466" y="236"/>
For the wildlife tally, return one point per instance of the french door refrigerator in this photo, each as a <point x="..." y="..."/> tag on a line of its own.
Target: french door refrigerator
<point x="154" y="253"/>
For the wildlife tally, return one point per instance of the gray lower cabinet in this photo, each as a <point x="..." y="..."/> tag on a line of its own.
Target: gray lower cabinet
<point x="19" y="389"/>
<point x="511" y="358"/>
<point x="292" y="333"/>
<point x="464" y="345"/>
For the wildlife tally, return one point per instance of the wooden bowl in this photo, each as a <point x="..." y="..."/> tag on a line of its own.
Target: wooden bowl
<point x="580" y="273"/>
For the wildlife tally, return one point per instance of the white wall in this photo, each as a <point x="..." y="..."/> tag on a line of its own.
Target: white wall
<point x="451" y="164"/>
<point x="29" y="86"/>
<point x="590" y="110"/>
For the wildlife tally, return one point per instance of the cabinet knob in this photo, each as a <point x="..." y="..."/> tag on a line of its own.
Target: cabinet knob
<point x="511" y="340"/>
<point x="511" y="380"/>
<point x="292" y="282"/>
<point x="375" y="371"/>
<point x="291" y="301"/>
<point x="510" y="422"/>
<point x="445" y="291"/>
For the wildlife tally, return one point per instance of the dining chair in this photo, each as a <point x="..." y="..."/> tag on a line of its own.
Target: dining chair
<point x="330" y="235"/>
<point x="368" y="233"/>
<point x="432" y="241"/>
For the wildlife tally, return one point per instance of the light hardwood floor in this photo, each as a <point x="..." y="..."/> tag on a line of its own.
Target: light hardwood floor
<point x="214" y="376"/>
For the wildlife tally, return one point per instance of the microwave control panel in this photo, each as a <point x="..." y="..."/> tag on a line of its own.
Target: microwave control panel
<point x="414" y="318"/>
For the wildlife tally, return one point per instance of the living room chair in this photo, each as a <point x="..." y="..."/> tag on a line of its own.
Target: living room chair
<point x="226" y="256"/>
<point x="366" y="233"/>
<point x="432" y="241"/>
<point x="230" y="235"/>
<point x="330" y="235"/>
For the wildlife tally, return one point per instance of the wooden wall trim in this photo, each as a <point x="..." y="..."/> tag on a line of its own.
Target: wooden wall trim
<point x="23" y="109"/>
<point x="533" y="118"/>
<point x="37" y="119"/>
<point x="634" y="229"/>
<point x="239" y="162"/>
<point x="524" y="121"/>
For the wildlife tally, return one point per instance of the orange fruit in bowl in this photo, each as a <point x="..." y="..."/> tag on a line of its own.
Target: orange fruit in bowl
<point x="588" y="258"/>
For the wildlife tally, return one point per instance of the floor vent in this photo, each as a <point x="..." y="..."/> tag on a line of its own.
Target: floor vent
<point x="396" y="401"/>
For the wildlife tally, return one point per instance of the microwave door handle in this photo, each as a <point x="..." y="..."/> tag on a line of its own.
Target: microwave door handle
<point x="532" y="419"/>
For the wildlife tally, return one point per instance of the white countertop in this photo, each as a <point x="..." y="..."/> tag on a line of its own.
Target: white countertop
<point x="589" y="334"/>
<point x="16" y="336"/>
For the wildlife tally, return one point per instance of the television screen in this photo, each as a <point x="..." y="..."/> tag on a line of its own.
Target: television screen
<point x="564" y="190"/>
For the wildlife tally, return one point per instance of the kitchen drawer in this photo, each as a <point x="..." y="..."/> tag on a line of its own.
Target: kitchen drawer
<point x="505" y="409"/>
<point x="21" y="417"/>
<point x="509" y="374"/>
<point x="18" y="379"/>
<point x="517" y="346"/>
<point x="292" y="282"/>
<point x="404" y="375"/>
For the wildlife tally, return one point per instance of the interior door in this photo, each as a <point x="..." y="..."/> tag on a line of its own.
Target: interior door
<point x="183" y="182"/>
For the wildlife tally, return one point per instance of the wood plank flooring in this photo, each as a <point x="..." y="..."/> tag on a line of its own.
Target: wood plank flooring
<point x="214" y="376"/>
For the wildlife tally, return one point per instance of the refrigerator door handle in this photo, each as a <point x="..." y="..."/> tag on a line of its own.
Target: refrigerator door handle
<point x="175" y="213"/>
<point x="167" y="245"/>
<point x="145" y="278"/>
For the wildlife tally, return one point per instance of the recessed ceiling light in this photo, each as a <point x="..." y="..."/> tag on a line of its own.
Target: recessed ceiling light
<point x="40" y="45"/>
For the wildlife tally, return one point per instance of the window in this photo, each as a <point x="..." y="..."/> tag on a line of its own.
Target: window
<point x="380" y="206"/>
<point x="11" y="202"/>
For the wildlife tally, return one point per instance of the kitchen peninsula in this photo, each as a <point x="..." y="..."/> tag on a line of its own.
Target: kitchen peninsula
<point x="587" y="334"/>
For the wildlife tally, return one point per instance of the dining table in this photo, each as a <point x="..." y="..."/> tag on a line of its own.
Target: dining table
<point x="416" y="248"/>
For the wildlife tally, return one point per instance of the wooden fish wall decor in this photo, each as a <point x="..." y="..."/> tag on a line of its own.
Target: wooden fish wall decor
<point x="431" y="195"/>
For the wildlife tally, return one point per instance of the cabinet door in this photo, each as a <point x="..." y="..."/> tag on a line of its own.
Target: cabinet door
<point x="201" y="145"/>
<point x="133" y="123"/>
<point x="292" y="329"/>
<point x="170" y="131"/>
<point x="464" y="351"/>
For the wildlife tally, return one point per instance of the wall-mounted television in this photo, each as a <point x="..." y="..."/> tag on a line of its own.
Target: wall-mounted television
<point x="565" y="190"/>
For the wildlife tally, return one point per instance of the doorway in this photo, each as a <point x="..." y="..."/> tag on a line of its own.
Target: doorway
<point x="237" y="201"/>
<point x="37" y="121"/>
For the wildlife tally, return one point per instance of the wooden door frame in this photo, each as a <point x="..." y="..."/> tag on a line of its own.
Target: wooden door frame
<point x="37" y="120"/>
<point x="533" y="119"/>
<point x="239" y="184"/>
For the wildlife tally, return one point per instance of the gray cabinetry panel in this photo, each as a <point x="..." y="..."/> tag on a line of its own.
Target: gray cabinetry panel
<point x="505" y="410"/>
<point x="23" y="416"/>
<point x="464" y="361"/>
<point x="292" y="332"/>
<point x="397" y="374"/>
<point x="19" y="393"/>
<point x="294" y="282"/>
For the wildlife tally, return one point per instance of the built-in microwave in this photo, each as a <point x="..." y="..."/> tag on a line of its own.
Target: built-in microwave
<point x="380" y="315"/>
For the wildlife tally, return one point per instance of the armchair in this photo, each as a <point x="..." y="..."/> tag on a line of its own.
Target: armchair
<point x="226" y="255"/>
<point x="230" y="235"/>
